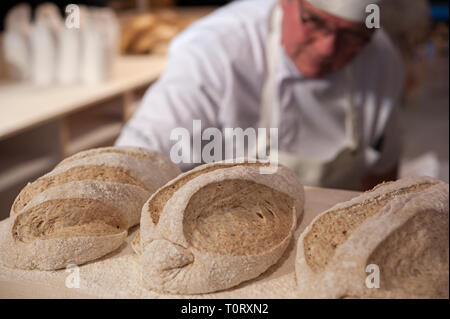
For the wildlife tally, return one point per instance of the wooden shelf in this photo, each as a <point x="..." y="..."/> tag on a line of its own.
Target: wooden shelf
<point x="28" y="155"/>
<point x="93" y="127"/>
<point x="25" y="105"/>
<point x="103" y="136"/>
<point x="39" y="126"/>
<point x="24" y="158"/>
<point x="21" y="167"/>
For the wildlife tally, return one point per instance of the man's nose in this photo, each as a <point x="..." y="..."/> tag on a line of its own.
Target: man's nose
<point x="326" y="45"/>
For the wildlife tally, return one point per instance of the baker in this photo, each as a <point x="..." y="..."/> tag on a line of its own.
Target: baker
<point x="311" y="68"/>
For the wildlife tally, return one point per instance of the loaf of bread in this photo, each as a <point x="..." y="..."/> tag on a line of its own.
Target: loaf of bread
<point x="145" y="33"/>
<point x="83" y="208"/>
<point x="390" y="242"/>
<point x="216" y="226"/>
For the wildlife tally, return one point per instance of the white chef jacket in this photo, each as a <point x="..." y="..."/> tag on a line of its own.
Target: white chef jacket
<point x="215" y="73"/>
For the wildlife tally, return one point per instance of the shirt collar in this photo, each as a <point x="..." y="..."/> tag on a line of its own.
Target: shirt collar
<point x="287" y="68"/>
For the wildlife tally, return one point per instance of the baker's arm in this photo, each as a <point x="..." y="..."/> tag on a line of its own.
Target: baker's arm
<point x="188" y="90"/>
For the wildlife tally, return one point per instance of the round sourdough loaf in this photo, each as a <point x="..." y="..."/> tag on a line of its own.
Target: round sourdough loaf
<point x="390" y="242"/>
<point x="217" y="226"/>
<point x="83" y="208"/>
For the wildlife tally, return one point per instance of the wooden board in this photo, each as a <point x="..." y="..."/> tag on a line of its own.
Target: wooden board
<point x="25" y="105"/>
<point x="118" y="274"/>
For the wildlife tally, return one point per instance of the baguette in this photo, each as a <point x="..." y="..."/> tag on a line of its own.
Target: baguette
<point x="83" y="208"/>
<point x="399" y="228"/>
<point x="217" y="226"/>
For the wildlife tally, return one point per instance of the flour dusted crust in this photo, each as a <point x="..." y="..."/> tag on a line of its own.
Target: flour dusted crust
<point x="401" y="227"/>
<point x="82" y="209"/>
<point x="127" y="165"/>
<point x="217" y="226"/>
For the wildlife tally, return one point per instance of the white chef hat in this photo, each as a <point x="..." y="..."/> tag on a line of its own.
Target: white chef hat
<point x="352" y="10"/>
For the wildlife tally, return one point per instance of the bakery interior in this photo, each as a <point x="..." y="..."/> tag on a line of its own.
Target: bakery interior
<point x="80" y="116"/>
<point x="44" y="119"/>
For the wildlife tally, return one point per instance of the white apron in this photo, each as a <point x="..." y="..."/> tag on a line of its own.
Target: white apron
<point x="345" y="169"/>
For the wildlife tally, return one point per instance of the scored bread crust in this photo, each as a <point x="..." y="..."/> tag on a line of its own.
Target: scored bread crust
<point x="77" y="220"/>
<point x="137" y="152"/>
<point x="137" y="162"/>
<point x="139" y="168"/>
<point x="406" y="238"/>
<point x="170" y="260"/>
<point x="54" y="253"/>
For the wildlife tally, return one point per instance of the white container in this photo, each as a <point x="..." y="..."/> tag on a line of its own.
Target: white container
<point x="44" y="47"/>
<point x="16" y="53"/>
<point x="68" y="55"/>
<point x="99" y="34"/>
<point x="16" y="43"/>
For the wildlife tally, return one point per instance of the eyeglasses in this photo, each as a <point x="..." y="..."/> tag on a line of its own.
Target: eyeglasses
<point x="318" y="26"/>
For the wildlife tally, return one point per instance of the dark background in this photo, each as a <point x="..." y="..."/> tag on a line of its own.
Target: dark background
<point x="5" y="5"/>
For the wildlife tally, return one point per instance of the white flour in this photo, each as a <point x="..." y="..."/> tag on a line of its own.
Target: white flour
<point x="117" y="275"/>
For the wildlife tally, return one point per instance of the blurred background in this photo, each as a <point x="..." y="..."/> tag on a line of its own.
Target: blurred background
<point x="47" y="113"/>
